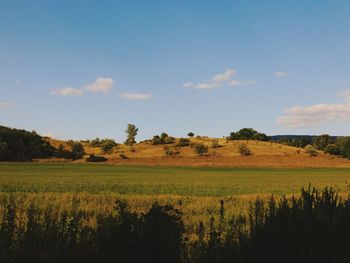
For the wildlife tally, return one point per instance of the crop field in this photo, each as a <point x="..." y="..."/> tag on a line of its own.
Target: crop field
<point x="92" y="178"/>
<point x="94" y="188"/>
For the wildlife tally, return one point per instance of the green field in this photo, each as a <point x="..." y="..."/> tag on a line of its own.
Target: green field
<point x="96" y="178"/>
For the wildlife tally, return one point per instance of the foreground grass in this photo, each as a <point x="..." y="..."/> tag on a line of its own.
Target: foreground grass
<point x="94" y="188"/>
<point x="94" y="178"/>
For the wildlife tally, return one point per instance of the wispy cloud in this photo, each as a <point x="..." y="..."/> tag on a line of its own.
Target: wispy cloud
<point x="5" y="104"/>
<point x="208" y="85"/>
<point x="226" y="76"/>
<point x="67" y="91"/>
<point x="317" y="114"/>
<point x="188" y="85"/>
<point x="219" y="81"/>
<point x="236" y="83"/>
<point x="136" y="96"/>
<point x="280" y="74"/>
<point x="101" y="85"/>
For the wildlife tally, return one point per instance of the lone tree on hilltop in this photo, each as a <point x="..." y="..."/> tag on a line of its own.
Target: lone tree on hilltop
<point x="131" y="132"/>
<point x="190" y="134"/>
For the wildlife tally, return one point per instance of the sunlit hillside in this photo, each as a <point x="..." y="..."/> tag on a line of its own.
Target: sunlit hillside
<point x="221" y="152"/>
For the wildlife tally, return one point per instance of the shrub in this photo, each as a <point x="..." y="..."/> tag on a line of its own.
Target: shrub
<point x="77" y="151"/>
<point x="170" y="152"/>
<point x="107" y="145"/>
<point x="183" y="142"/>
<point x="162" y="139"/>
<point x="215" y="144"/>
<point x="190" y="134"/>
<point x="244" y="150"/>
<point x="95" y="142"/>
<point x="332" y="149"/>
<point x="123" y="156"/>
<point x="95" y="159"/>
<point x="311" y="151"/>
<point x="132" y="149"/>
<point x="200" y="149"/>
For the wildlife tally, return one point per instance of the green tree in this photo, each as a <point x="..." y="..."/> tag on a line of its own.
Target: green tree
<point x="190" y="134"/>
<point x="320" y="142"/>
<point x="77" y="151"/>
<point x="131" y="132"/>
<point x="107" y="145"/>
<point x="344" y="146"/>
<point x="201" y="149"/>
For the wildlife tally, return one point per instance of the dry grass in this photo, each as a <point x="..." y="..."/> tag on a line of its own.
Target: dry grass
<point x="264" y="154"/>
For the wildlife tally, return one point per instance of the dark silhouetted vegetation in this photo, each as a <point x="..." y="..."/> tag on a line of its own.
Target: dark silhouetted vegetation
<point x="95" y="158"/>
<point x="183" y="142"/>
<point x="21" y="145"/>
<point x="200" y="149"/>
<point x="313" y="227"/>
<point x="162" y="139"/>
<point x="190" y="134"/>
<point x="248" y="134"/>
<point x="300" y="141"/>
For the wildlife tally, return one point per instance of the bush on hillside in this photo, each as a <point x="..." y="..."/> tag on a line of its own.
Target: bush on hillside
<point x="244" y="150"/>
<point x="200" y="149"/>
<point x="95" y="159"/>
<point x="311" y="151"/>
<point x="107" y="145"/>
<point x="183" y="142"/>
<point x="215" y="144"/>
<point x="332" y="149"/>
<point x="162" y="139"/>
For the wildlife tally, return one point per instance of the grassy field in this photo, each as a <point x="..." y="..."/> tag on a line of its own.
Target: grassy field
<point x="92" y="178"/>
<point x="94" y="188"/>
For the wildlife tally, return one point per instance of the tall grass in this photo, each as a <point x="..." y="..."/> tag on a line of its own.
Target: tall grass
<point x="313" y="227"/>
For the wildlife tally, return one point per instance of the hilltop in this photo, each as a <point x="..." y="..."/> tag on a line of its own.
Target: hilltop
<point x="221" y="152"/>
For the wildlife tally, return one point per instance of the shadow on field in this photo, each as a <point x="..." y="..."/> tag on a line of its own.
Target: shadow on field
<point x="314" y="227"/>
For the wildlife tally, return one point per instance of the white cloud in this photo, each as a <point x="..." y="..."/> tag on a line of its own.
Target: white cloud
<point x="219" y="81"/>
<point x="208" y="86"/>
<point x="314" y="115"/>
<point x="103" y="85"/>
<point x="188" y="85"/>
<point x="236" y="83"/>
<point x="136" y="96"/>
<point x="5" y="104"/>
<point x="67" y="91"/>
<point x="280" y="74"/>
<point x="227" y="75"/>
<point x="344" y="94"/>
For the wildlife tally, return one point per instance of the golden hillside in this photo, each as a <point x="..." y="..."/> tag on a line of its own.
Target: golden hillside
<point x="264" y="154"/>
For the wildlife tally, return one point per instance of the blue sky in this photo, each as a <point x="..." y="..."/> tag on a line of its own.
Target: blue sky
<point x="82" y="69"/>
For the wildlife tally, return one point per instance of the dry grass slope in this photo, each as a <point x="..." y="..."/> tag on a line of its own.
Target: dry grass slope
<point x="264" y="154"/>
